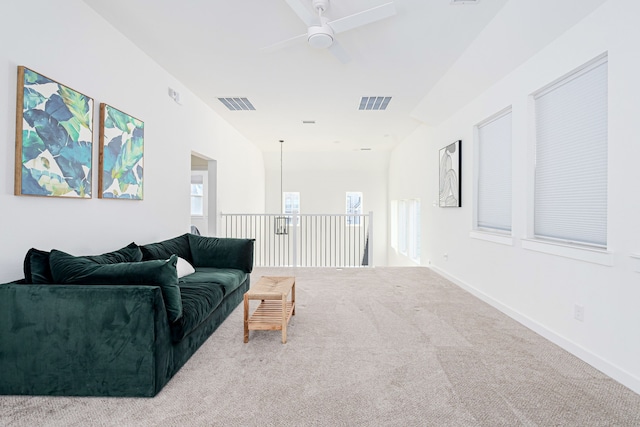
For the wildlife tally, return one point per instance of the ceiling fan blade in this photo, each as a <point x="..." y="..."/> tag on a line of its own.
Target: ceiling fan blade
<point x="284" y="43"/>
<point x="368" y="16"/>
<point x="303" y="13"/>
<point x="339" y="52"/>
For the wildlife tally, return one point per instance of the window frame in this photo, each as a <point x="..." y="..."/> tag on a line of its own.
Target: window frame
<point x="414" y="229"/>
<point x="532" y="232"/>
<point x="289" y="215"/>
<point x="504" y="235"/>
<point x="565" y="248"/>
<point x="354" y="218"/>
<point x="202" y="176"/>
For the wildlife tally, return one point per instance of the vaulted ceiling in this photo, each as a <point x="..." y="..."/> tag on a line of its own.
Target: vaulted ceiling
<point x="215" y="48"/>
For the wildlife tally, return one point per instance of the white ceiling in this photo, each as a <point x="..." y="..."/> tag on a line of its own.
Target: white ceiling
<point x="214" y="48"/>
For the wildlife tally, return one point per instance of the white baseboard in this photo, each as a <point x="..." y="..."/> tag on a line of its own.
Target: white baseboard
<point x="620" y="375"/>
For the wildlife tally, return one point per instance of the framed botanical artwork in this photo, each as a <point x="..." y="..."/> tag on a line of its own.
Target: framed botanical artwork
<point x="54" y="138"/>
<point x="121" y="155"/>
<point x="450" y="180"/>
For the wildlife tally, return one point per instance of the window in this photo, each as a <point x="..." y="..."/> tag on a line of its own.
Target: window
<point x="570" y="195"/>
<point x="493" y="207"/>
<point x="197" y="195"/>
<point x="402" y="226"/>
<point x="291" y="205"/>
<point x="354" y="207"/>
<point x="405" y="227"/>
<point x="394" y="224"/>
<point x="414" y="229"/>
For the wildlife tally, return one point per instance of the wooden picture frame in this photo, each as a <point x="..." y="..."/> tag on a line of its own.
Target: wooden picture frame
<point x="121" y="158"/>
<point x="54" y="138"/>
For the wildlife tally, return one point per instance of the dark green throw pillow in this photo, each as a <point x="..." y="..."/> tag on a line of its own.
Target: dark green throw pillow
<point x="68" y="269"/>
<point x="36" y="262"/>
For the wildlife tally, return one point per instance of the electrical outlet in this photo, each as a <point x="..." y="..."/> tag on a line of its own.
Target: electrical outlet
<point x="578" y="312"/>
<point x="446" y="256"/>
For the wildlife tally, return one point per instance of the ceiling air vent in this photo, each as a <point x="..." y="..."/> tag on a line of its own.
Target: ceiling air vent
<point x="465" y="1"/>
<point x="374" y="102"/>
<point x="237" y="104"/>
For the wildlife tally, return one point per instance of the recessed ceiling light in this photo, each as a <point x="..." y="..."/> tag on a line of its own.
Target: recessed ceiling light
<point x="465" y="1"/>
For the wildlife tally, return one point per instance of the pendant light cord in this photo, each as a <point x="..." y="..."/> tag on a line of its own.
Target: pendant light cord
<point x="281" y="188"/>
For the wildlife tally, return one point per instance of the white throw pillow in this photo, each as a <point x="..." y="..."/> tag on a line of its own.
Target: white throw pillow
<point x="184" y="268"/>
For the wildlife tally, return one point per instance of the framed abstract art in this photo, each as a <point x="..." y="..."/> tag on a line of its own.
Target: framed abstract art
<point x="54" y="138"/>
<point x="450" y="167"/>
<point x="121" y="159"/>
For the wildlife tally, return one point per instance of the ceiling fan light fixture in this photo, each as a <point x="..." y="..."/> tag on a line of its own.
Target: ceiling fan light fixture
<point x="320" y="37"/>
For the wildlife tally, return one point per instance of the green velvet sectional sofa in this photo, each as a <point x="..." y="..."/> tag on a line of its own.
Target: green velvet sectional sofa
<point x="117" y="324"/>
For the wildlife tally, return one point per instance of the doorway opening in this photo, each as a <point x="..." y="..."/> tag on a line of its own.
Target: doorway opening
<point x="204" y="194"/>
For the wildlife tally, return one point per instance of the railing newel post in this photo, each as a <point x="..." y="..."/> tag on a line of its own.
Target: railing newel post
<point x="370" y="238"/>
<point x="295" y="240"/>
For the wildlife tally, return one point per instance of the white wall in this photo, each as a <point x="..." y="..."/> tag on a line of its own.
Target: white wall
<point x="68" y="42"/>
<point x="540" y="289"/>
<point x="323" y="178"/>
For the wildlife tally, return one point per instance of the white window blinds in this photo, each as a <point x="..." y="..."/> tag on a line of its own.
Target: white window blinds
<point x="571" y="158"/>
<point x="494" y="174"/>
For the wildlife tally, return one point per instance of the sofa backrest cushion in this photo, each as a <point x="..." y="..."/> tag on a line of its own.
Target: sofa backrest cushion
<point x="36" y="267"/>
<point x="68" y="269"/>
<point x="37" y="270"/>
<point x="130" y="253"/>
<point x="164" y="249"/>
<point x="222" y="252"/>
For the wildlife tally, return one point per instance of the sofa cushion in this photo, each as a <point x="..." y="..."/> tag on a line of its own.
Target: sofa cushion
<point x="229" y="279"/>
<point x="37" y="270"/>
<point x="163" y="250"/>
<point x="68" y="269"/>
<point x="221" y="253"/>
<point x="199" y="301"/>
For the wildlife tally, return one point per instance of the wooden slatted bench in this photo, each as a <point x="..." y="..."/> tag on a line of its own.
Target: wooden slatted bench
<point x="274" y="310"/>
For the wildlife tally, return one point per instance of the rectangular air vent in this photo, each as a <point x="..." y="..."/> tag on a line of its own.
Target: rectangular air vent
<point x="374" y="102"/>
<point x="237" y="104"/>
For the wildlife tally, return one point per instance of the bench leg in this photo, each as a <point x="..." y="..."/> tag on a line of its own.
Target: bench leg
<point x="284" y="319"/>
<point x="246" y="318"/>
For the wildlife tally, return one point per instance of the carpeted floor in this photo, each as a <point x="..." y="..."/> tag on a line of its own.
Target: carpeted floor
<point x="367" y="347"/>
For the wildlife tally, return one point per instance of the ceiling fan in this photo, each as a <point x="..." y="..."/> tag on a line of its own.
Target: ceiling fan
<point x="321" y="32"/>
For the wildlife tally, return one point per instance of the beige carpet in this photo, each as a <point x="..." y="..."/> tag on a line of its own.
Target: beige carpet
<point x="367" y="347"/>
